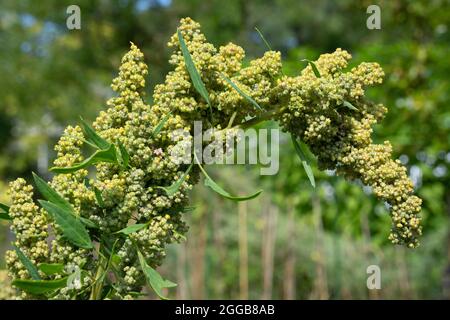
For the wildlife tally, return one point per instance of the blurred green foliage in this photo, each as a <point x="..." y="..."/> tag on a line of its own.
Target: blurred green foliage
<point x="302" y="242"/>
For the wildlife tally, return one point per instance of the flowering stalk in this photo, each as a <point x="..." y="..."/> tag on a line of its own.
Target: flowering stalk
<point x="133" y="206"/>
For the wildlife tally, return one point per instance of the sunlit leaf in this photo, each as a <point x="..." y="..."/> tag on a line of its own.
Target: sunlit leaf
<point x="71" y="227"/>
<point x="124" y="156"/>
<point x="51" y="268"/>
<point x="133" y="228"/>
<point x="31" y="268"/>
<point x="93" y="137"/>
<point x="192" y="70"/>
<point x="242" y="93"/>
<point x="5" y="214"/>
<point x="161" y="124"/>
<point x="263" y="39"/>
<point x="4" y="207"/>
<point x="172" y="189"/>
<point x="314" y="67"/>
<point x="99" y="197"/>
<point x="40" y="286"/>
<point x="154" y="279"/>
<point x="51" y="194"/>
<point x="349" y="105"/>
<point x="109" y="155"/>
<point x="88" y="223"/>
<point x="304" y="160"/>
<point x="214" y="186"/>
<point x="54" y="197"/>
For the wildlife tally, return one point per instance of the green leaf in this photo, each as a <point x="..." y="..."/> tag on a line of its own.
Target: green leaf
<point x="314" y="67"/>
<point x="88" y="223"/>
<point x="193" y="73"/>
<point x="54" y="197"/>
<point x="210" y="183"/>
<point x="93" y="137"/>
<point x="87" y="184"/>
<point x="40" y="286"/>
<point x="247" y="97"/>
<point x="4" y="215"/>
<point x="161" y="124"/>
<point x="99" y="197"/>
<point x="50" y="194"/>
<point x="51" y="268"/>
<point x="349" y="105"/>
<point x="263" y="39"/>
<point x="172" y="189"/>
<point x="31" y="268"/>
<point x="109" y="155"/>
<point x="214" y="186"/>
<point x="188" y="209"/>
<point x="115" y="259"/>
<point x="304" y="160"/>
<point x="133" y="228"/>
<point x="154" y="279"/>
<point x="110" y="260"/>
<point x="124" y="156"/>
<point x="4" y="207"/>
<point x="71" y="227"/>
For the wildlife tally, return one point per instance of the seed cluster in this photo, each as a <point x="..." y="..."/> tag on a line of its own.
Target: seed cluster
<point x="320" y="111"/>
<point x="310" y="107"/>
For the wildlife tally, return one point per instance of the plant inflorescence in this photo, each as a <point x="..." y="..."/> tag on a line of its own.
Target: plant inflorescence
<point x="101" y="234"/>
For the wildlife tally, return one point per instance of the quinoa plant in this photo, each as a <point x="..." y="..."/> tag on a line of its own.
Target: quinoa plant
<point x="100" y="234"/>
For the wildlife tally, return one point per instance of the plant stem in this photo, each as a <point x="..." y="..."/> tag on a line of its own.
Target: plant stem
<point x="99" y="277"/>
<point x="254" y="121"/>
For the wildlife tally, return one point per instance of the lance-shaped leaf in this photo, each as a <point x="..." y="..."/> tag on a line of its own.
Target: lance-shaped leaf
<point x="133" y="228"/>
<point x="188" y="209"/>
<point x="51" y="268"/>
<point x="88" y="223"/>
<point x="4" y="207"/>
<point x="109" y="155"/>
<point x="192" y="70"/>
<point x="314" y="67"/>
<point x="304" y="159"/>
<point x="93" y="137"/>
<point x="172" y="189"/>
<point x="40" y="286"/>
<point x="4" y="212"/>
<point x="71" y="227"/>
<point x="87" y="183"/>
<point x="242" y="93"/>
<point x="161" y="124"/>
<point x="99" y="197"/>
<point x="51" y="194"/>
<point x="54" y="197"/>
<point x="124" y="156"/>
<point x="154" y="279"/>
<point x="5" y="216"/>
<point x="349" y="106"/>
<point x="31" y="268"/>
<point x="214" y="186"/>
<point x="263" y="39"/>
